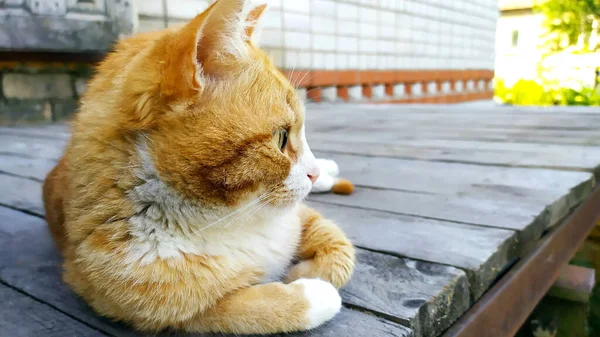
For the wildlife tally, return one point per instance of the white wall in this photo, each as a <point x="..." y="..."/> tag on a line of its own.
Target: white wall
<point x="362" y="34"/>
<point x="520" y="61"/>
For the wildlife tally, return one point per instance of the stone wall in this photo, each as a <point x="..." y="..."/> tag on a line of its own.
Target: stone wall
<point x="40" y="92"/>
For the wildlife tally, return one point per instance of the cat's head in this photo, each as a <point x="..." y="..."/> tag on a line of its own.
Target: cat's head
<point x="220" y="122"/>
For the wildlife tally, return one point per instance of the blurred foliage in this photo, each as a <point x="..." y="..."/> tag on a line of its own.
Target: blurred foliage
<point x="570" y="23"/>
<point x="531" y="92"/>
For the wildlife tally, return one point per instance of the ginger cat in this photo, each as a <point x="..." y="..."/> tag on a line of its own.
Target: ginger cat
<point x="177" y="204"/>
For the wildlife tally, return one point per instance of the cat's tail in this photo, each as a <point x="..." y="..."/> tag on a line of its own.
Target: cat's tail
<point x="53" y="191"/>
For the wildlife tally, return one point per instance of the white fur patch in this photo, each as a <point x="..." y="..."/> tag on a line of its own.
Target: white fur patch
<point x="323" y="184"/>
<point x="328" y="177"/>
<point x="168" y="225"/>
<point x="324" y="301"/>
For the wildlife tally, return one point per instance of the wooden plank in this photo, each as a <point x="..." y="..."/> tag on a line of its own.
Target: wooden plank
<point x="25" y="146"/>
<point x="470" y="210"/>
<point x="529" y="217"/>
<point x="53" y="131"/>
<point x="12" y="222"/>
<point x="481" y="252"/>
<point x="31" y="168"/>
<point x="36" y="271"/>
<point x="558" y="192"/>
<point x="563" y="157"/>
<point x="22" y="316"/>
<point x="453" y="178"/>
<point x="506" y="306"/>
<point x="424" y="296"/>
<point x="425" y="120"/>
<point x="584" y="138"/>
<point x="21" y="193"/>
<point x="409" y="124"/>
<point x="443" y="113"/>
<point x="511" y="135"/>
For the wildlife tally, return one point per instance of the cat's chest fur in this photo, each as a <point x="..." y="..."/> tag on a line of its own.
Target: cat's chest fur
<point x="265" y="240"/>
<point x="269" y="242"/>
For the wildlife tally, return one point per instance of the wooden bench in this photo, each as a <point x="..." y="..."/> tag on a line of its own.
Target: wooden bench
<point x="463" y="215"/>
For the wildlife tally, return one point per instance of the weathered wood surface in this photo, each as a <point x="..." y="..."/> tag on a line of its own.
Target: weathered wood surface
<point x="480" y="251"/>
<point x="29" y="168"/>
<point x="413" y="292"/>
<point x="22" y="194"/>
<point x="446" y="200"/>
<point x="22" y="316"/>
<point x="29" y="147"/>
<point x="418" y="133"/>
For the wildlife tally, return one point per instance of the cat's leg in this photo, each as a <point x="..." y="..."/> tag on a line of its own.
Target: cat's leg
<point x="270" y="308"/>
<point x="193" y="293"/>
<point x="324" y="251"/>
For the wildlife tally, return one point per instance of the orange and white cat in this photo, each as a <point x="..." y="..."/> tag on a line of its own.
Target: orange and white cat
<point x="177" y="203"/>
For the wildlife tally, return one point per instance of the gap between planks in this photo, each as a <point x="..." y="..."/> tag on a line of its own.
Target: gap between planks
<point x="54" y="308"/>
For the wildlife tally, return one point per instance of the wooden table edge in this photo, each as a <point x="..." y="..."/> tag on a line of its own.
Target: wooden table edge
<point x="502" y="310"/>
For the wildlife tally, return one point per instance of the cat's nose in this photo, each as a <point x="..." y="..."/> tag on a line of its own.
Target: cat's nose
<point x="314" y="173"/>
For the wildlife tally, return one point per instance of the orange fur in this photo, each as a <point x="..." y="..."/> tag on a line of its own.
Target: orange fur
<point x="173" y="142"/>
<point x="325" y="252"/>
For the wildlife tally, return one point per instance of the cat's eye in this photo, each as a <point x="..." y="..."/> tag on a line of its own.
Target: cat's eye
<point x="281" y="138"/>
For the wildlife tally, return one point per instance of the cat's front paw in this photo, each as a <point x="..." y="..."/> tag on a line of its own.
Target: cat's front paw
<point x="304" y="269"/>
<point x="335" y="274"/>
<point x="324" y="301"/>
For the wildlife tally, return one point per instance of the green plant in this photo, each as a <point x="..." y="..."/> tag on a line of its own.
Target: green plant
<point x="536" y="92"/>
<point x="570" y="22"/>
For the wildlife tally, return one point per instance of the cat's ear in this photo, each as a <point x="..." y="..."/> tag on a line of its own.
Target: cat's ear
<point x="210" y="45"/>
<point x="222" y="32"/>
<point x="252" y="20"/>
<point x="213" y="41"/>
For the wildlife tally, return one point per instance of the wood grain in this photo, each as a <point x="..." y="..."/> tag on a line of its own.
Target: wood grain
<point x="21" y="193"/>
<point x="426" y="297"/>
<point x="480" y="251"/>
<point x="22" y="316"/>
<point x="29" y="147"/>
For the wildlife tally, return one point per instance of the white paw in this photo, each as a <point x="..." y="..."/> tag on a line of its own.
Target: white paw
<point x="323" y="184"/>
<point x="328" y="166"/>
<point x="324" y="301"/>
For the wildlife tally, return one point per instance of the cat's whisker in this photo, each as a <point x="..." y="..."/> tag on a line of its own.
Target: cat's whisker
<point x="240" y="210"/>
<point x="307" y="76"/>
<point x="248" y="211"/>
<point x="254" y="212"/>
<point x="292" y="74"/>
<point x="251" y="203"/>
